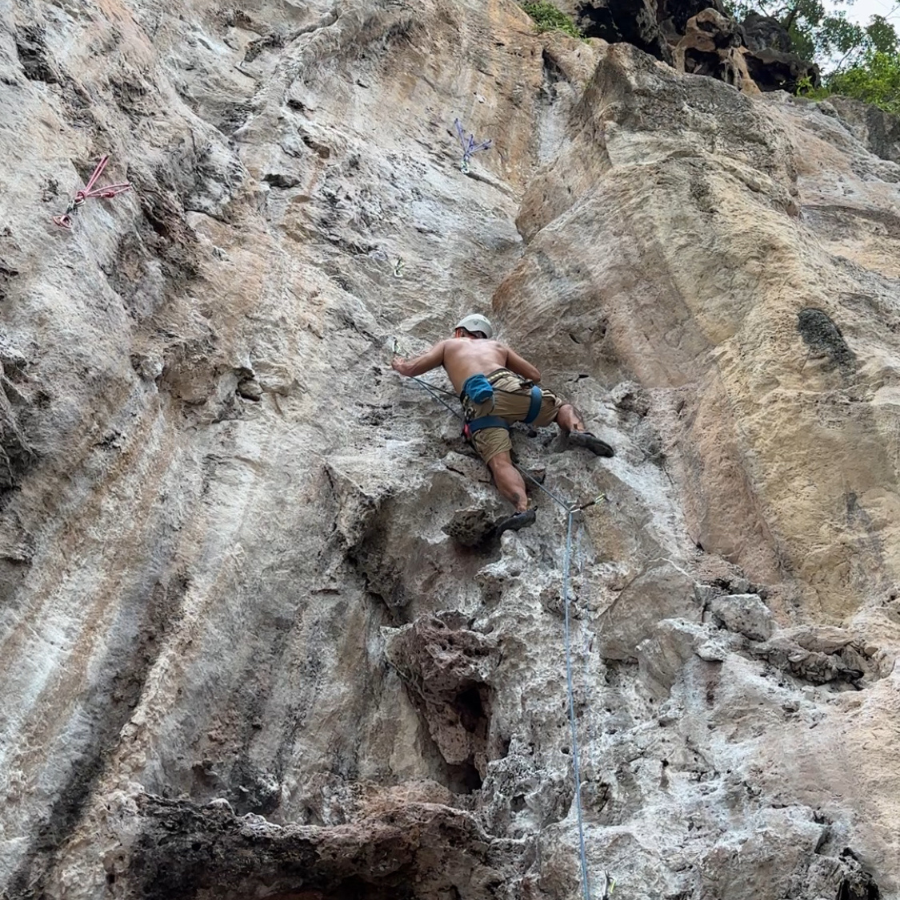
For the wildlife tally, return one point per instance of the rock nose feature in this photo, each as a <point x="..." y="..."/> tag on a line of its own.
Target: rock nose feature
<point x="261" y="636"/>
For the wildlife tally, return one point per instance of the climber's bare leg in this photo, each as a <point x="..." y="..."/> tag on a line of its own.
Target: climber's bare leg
<point x="508" y="480"/>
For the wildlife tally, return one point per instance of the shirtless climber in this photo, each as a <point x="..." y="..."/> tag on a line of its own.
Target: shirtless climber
<point x="497" y="387"/>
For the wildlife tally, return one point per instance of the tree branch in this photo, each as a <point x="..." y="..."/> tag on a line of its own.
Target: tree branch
<point x="786" y="24"/>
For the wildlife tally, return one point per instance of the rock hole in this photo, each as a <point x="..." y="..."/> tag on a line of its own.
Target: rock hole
<point x="518" y="803"/>
<point x="857" y="883"/>
<point x="353" y="889"/>
<point x="823" y="337"/>
<point x="850" y="889"/>
<point x="553" y="74"/>
<point x="463" y="779"/>
<point x="470" y="709"/>
<point x="282" y="180"/>
<point x="33" y="55"/>
<point x="616" y="23"/>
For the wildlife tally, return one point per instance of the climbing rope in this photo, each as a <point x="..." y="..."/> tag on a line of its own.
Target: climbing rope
<point x="570" y="510"/>
<point x="576" y="766"/>
<point x="432" y="389"/>
<point x="111" y="190"/>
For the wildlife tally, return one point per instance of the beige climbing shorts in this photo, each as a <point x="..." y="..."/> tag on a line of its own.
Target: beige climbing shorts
<point x="512" y="400"/>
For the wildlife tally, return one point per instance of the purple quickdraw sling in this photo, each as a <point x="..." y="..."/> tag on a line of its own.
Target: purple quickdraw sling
<point x="469" y="145"/>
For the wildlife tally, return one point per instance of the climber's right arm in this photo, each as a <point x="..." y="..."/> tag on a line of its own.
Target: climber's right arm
<point x="429" y="360"/>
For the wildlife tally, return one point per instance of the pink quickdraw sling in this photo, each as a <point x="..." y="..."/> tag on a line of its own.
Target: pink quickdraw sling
<point x="111" y="190"/>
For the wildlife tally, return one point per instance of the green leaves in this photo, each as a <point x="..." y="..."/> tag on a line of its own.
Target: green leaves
<point x="860" y="61"/>
<point x="548" y="18"/>
<point x="882" y="35"/>
<point x="874" y="79"/>
<point x="825" y="35"/>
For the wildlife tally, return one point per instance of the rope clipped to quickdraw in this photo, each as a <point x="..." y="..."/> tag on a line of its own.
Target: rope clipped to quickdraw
<point x="105" y="193"/>
<point x="570" y="510"/>
<point x="469" y="145"/>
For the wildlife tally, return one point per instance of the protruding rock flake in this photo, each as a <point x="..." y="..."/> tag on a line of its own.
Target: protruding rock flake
<point x="268" y="628"/>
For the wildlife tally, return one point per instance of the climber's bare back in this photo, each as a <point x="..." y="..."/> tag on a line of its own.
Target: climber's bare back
<point x="463" y="358"/>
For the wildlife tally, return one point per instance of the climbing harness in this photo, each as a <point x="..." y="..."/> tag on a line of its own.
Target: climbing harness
<point x="469" y="428"/>
<point x="534" y="409"/>
<point x="479" y="389"/>
<point x="469" y="145"/>
<point x="433" y="389"/>
<point x="570" y="511"/>
<point x="106" y="193"/>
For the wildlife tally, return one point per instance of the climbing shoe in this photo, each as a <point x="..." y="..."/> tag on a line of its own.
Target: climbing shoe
<point x="515" y="522"/>
<point x="590" y="442"/>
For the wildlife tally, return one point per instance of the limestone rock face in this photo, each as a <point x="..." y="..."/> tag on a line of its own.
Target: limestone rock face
<point x="632" y="21"/>
<point x="712" y="46"/>
<point x="775" y="70"/>
<point x="699" y="37"/>
<point x="765" y="33"/>
<point x="244" y="654"/>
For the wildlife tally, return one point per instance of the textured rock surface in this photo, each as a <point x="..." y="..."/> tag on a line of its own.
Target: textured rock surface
<point x="765" y="33"/>
<point x="700" y="38"/>
<point x="241" y="655"/>
<point x="712" y="46"/>
<point x="632" y="21"/>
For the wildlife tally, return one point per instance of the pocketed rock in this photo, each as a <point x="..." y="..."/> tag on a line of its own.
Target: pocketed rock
<point x="250" y="389"/>
<point x="846" y="664"/>
<point x="448" y="670"/>
<point x="470" y="527"/>
<point x="745" y="614"/>
<point x="414" y="850"/>
<point x="710" y="47"/>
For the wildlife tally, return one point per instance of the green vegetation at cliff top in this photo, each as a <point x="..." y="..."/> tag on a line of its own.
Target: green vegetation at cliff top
<point x="548" y="18"/>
